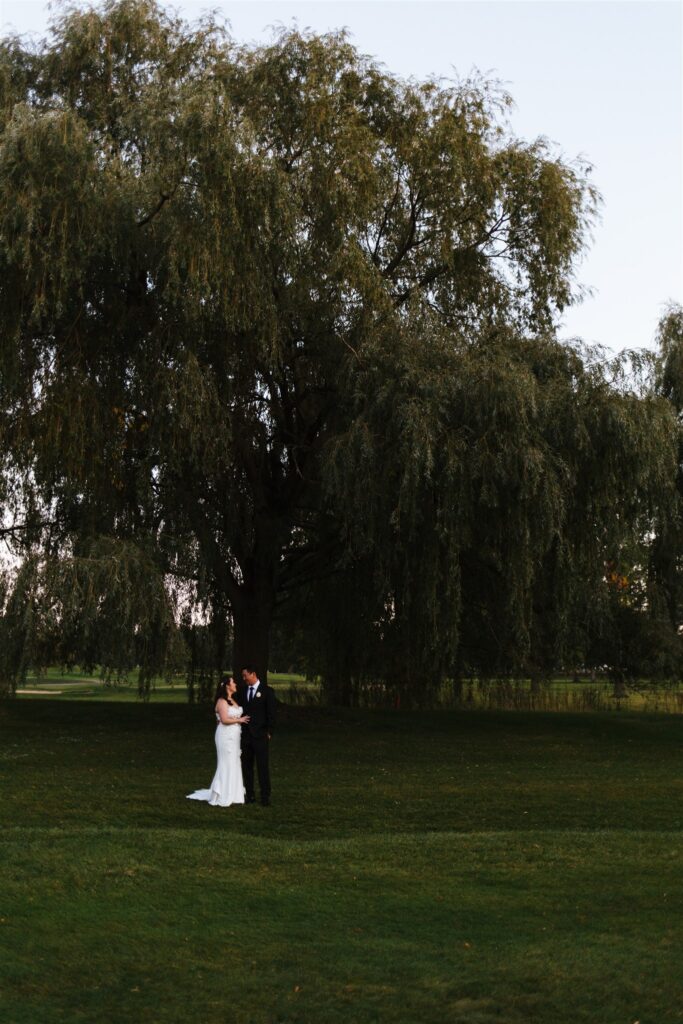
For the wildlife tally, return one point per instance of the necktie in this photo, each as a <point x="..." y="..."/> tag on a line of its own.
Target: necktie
<point x="251" y="694"/>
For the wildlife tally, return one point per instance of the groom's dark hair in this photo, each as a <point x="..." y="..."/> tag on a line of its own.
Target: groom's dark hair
<point x="250" y="669"/>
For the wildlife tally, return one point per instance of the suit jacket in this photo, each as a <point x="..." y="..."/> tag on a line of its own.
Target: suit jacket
<point x="262" y="711"/>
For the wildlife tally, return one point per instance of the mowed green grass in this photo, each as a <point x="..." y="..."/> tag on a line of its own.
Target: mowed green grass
<point x="78" y="685"/>
<point x="563" y="695"/>
<point x="463" y="867"/>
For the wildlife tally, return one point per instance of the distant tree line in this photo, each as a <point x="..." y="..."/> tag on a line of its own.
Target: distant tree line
<point x="280" y="376"/>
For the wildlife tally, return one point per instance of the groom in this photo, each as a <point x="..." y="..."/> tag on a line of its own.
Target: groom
<point x="259" y="703"/>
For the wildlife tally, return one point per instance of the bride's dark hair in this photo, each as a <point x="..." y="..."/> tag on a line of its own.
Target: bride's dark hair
<point x="222" y="690"/>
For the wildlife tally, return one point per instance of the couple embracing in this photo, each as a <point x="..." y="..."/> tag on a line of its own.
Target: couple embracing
<point x="245" y="717"/>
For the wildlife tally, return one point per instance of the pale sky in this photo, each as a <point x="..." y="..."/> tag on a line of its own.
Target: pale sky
<point x="601" y="78"/>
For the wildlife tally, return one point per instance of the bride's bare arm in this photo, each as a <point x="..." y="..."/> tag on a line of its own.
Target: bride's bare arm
<point x="222" y="712"/>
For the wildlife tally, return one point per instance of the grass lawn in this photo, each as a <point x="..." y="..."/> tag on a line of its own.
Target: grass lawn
<point x="78" y="685"/>
<point x="565" y="695"/>
<point x="464" y="867"/>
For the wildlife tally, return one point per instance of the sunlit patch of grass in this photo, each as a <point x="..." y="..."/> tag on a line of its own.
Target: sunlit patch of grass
<point x="563" y="695"/>
<point x="77" y="685"/>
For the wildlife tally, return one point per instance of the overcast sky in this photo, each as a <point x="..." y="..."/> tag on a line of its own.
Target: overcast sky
<point x="601" y="78"/>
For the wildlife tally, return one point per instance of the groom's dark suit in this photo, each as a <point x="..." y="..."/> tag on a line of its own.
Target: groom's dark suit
<point x="255" y="737"/>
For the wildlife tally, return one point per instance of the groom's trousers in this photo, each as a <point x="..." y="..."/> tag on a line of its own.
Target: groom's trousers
<point x="255" y="748"/>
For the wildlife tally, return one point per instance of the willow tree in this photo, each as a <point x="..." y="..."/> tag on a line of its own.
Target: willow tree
<point x="531" y="475"/>
<point x="666" y="566"/>
<point x="249" y="298"/>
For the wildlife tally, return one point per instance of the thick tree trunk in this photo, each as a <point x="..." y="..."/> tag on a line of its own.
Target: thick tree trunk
<point x="252" y="619"/>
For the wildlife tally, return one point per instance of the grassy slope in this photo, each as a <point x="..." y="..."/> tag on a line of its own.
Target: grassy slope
<point x="451" y="867"/>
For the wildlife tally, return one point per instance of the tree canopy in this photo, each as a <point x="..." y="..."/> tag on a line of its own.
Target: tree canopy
<point x="666" y="566"/>
<point x="277" y="338"/>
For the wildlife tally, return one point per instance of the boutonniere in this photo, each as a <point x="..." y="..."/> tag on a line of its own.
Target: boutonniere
<point x="258" y="695"/>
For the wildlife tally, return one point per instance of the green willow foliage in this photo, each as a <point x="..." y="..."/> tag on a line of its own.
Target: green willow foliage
<point x="523" y="476"/>
<point x="276" y="331"/>
<point x="666" y="567"/>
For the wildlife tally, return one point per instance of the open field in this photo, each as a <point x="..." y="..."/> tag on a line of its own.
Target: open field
<point x="444" y="866"/>
<point x="565" y="695"/>
<point x="79" y="685"/>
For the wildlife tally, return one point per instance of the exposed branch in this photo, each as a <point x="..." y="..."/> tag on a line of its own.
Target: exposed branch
<point x="408" y="241"/>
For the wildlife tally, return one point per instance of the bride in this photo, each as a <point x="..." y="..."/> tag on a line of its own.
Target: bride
<point x="227" y="787"/>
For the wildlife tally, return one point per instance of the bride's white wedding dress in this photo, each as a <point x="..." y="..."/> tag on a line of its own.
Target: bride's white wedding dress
<point x="227" y="786"/>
